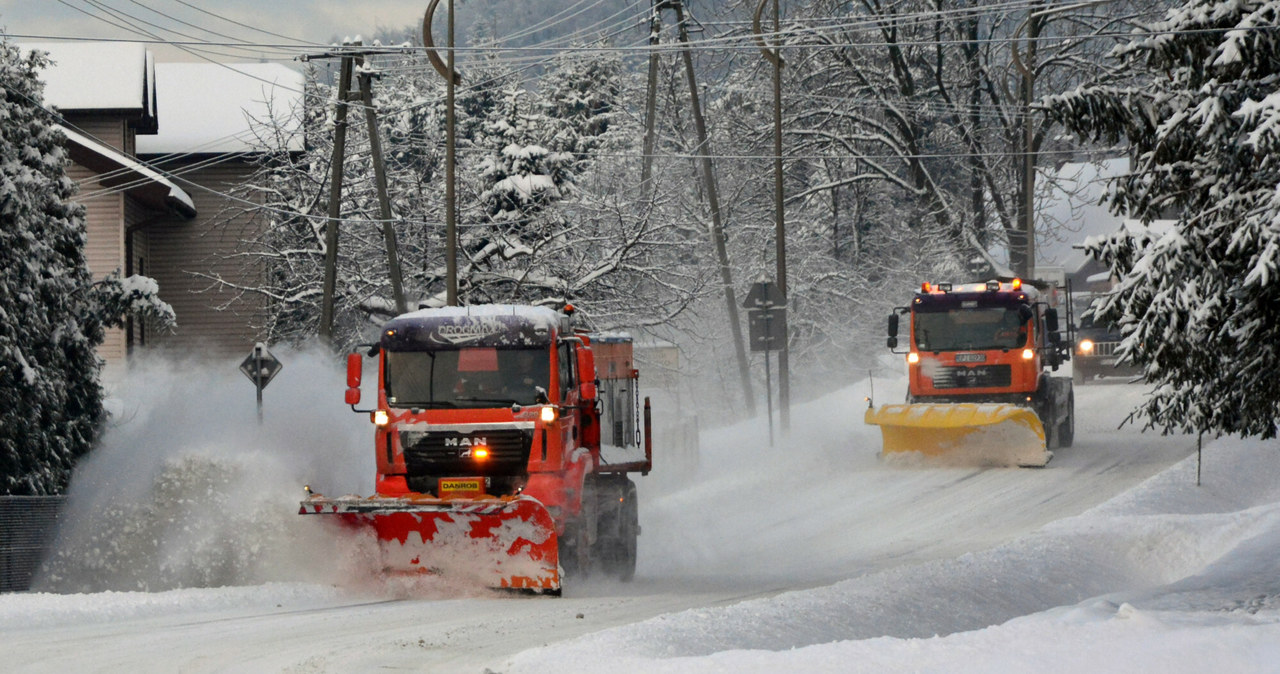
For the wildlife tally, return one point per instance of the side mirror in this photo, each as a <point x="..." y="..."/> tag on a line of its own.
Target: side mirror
<point x="1051" y="319"/>
<point x="355" y="370"/>
<point x="893" y="329"/>
<point x="892" y="342"/>
<point x="587" y="390"/>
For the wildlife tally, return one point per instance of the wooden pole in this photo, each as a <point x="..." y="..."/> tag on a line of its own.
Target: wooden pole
<point x="384" y="200"/>
<point x="450" y="193"/>
<point x="651" y="98"/>
<point x="713" y="201"/>
<point x="780" y="229"/>
<point x="335" y="200"/>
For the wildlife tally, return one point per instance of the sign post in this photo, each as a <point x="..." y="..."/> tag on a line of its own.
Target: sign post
<point x="767" y="321"/>
<point x="260" y="367"/>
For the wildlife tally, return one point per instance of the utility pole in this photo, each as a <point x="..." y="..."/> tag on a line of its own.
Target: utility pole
<point x="1028" y="71"/>
<point x="450" y="192"/>
<point x="651" y="95"/>
<point x="713" y="202"/>
<point x="450" y="73"/>
<point x="384" y="200"/>
<point x="350" y="59"/>
<point x="335" y="199"/>
<point x="773" y="56"/>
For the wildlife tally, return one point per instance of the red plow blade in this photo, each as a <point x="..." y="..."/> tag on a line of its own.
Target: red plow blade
<point x="500" y="543"/>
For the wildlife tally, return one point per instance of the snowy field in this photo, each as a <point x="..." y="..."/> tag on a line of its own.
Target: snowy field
<point x="183" y="552"/>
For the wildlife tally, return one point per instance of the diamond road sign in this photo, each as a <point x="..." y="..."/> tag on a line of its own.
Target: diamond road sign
<point x="764" y="295"/>
<point x="261" y="367"/>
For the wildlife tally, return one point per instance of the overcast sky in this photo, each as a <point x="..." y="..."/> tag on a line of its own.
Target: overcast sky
<point x="272" y="22"/>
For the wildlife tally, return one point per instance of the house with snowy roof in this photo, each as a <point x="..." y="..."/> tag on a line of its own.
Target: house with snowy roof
<point x="1073" y="211"/>
<point x="157" y="150"/>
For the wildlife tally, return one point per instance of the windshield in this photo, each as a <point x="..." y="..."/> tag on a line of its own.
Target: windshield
<point x="966" y="329"/>
<point x="468" y="377"/>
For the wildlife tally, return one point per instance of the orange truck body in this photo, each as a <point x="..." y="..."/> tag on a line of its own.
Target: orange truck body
<point x="487" y="437"/>
<point x="979" y="357"/>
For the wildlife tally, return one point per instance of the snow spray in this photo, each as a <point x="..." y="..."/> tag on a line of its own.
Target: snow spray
<point x="186" y="489"/>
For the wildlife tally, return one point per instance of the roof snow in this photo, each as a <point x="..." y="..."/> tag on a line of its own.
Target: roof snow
<point x="200" y="107"/>
<point x="216" y="108"/>
<point x="98" y="76"/>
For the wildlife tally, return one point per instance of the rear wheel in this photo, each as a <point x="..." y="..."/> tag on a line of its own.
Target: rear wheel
<point x="618" y="528"/>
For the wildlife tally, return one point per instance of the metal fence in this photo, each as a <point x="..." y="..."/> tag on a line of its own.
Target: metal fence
<point x="27" y="525"/>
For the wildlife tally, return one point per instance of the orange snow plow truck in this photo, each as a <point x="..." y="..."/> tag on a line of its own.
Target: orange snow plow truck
<point x="491" y="465"/>
<point x="979" y="390"/>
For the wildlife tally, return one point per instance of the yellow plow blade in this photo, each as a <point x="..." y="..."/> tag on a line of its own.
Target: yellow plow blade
<point x="963" y="433"/>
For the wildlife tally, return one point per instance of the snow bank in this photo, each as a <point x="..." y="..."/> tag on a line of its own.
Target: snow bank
<point x="1168" y="577"/>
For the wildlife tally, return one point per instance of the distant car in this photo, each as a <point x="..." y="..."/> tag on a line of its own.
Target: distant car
<point x="1095" y="345"/>
<point x="1094" y="354"/>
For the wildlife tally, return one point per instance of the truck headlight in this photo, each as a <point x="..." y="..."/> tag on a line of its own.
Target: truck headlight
<point x="1085" y="346"/>
<point x="548" y="413"/>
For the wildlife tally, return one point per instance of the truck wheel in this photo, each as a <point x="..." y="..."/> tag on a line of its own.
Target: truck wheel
<point x="1067" y="432"/>
<point x="618" y="527"/>
<point x="1044" y="408"/>
<point x="626" y="567"/>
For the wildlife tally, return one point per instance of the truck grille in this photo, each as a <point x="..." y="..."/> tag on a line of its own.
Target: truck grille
<point x="981" y="376"/>
<point x="445" y="453"/>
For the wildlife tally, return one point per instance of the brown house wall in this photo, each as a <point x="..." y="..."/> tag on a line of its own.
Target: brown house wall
<point x="123" y="235"/>
<point x="212" y="322"/>
<point x="111" y="130"/>
<point x="104" y="245"/>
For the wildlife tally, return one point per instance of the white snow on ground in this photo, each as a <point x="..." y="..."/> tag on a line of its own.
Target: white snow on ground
<point x="184" y="553"/>
<point x="1198" y="568"/>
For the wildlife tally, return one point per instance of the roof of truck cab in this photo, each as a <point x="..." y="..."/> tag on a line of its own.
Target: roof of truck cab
<point x="983" y="298"/>
<point x="529" y="313"/>
<point x="476" y="325"/>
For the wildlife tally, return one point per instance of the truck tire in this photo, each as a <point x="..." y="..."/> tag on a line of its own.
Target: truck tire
<point x="1067" y="431"/>
<point x="618" y="528"/>
<point x="575" y="551"/>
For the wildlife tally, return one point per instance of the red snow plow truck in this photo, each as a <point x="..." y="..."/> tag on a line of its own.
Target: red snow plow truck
<point x="979" y="357"/>
<point x="504" y="438"/>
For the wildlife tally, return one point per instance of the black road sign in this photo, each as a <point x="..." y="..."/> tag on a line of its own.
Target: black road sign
<point x="768" y="329"/>
<point x="260" y="366"/>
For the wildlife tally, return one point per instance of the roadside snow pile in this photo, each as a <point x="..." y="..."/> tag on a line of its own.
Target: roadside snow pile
<point x="1166" y="577"/>
<point x="25" y="611"/>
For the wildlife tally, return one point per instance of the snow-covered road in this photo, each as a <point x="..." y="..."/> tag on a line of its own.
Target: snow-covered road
<point x="748" y="521"/>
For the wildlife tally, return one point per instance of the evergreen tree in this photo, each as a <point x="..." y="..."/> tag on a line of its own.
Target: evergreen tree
<point x="1198" y="302"/>
<point x="52" y="314"/>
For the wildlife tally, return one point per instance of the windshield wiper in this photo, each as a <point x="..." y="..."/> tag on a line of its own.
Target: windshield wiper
<point x="508" y="401"/>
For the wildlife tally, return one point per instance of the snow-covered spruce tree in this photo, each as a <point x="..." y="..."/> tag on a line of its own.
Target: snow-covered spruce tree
<point x="52" y="314"/>
<point x="1198" y="303"/>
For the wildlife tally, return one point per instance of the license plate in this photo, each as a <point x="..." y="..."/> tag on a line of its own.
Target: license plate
<point x="971" y="357"/>
<point x="461" y="486"/>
